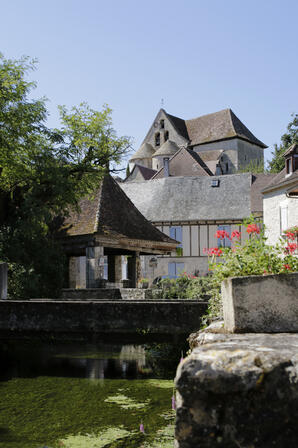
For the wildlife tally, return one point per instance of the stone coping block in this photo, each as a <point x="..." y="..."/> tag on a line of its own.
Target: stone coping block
<point x="91" y="294"/>
<point x="238" y="390"/>
<point x="261" y="304"/>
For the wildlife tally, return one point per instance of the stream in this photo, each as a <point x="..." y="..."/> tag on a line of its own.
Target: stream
<point x="78" y="394"/>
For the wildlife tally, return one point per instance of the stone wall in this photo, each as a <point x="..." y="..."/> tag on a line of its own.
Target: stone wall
<point x="118" y="316"/>
<point x="238" y="391"/>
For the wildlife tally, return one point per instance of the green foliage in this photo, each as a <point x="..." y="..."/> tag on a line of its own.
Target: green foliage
<point x="278" y="162"/>
<point x="186" y="287"/>
<point x="253" y="167"/>
<point x="44" y="173"/>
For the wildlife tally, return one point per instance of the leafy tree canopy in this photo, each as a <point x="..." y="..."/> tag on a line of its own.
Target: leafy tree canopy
<point x="289" y="138"/>
<point x="44" y="172"/>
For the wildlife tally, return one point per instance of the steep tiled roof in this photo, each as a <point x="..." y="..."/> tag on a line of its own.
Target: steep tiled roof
<point x="218" y="126"/>
<point x="281" y="180"/>
<point x="111" y="213"/>
<point x="182" y="157"/>
<point x="292" y="148"/>
<point x="259" y="182"/>
<point x="147" y="173"/>
<point x="200" y="161"/>
<point x="179" y="125"/>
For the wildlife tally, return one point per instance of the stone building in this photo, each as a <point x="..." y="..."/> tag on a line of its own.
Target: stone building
<point x="105" y="239"/>
<point x="220" y="139"/>
<point x="281" y="198"/>
<point x="191" y="209"/>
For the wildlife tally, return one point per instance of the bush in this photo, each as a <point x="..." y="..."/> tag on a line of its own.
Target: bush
<point x="186" y="287"/>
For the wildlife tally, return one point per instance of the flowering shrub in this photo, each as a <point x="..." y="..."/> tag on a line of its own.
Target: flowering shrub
<point x="253" y="257"/>
<point x="186" y="286"/>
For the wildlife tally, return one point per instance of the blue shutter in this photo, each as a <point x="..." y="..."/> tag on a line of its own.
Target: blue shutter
<point x="172" y="269"/>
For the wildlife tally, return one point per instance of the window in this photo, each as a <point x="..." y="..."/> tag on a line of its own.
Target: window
<point x="166" y="135"/>
<point x="227" y="167"/>
<point x="157" y="139"/>
<point x="176" y="234"/>
<point x="225" y="242"/>
<point x="289" y="166"/>
<point x="162" y="124"/>
<point x="175" y="269"/>
<point x="295" y="162"/>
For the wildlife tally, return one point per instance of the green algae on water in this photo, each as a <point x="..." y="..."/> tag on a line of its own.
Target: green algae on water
<point x="125" y="402"/>
<point x="105" y="438"/>
<point x="38" y="412"/>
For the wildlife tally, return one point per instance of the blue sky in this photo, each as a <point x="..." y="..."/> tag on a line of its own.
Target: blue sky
<point x="199" y="56"/>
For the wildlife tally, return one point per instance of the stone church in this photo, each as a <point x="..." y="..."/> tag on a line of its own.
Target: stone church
<point x="213" y="144"/>
<point x="185" y="180"/>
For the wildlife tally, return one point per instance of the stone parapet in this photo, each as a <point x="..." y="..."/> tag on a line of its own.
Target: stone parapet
<point x="238" y="390"/>
<point x="267" y="304"/>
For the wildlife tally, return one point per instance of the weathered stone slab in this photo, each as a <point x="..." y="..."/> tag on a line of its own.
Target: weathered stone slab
<point x="238" y="390"/>
<point x="91" y="294"/>
<point x="101" y="316"/>
<point x="261" y="304"/>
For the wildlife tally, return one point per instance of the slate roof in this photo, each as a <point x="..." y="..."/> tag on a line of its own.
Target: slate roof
<point x="168" y="148"/>
<point x="218" y="126"/>
<point x="292" y="148"/>
<point x="192" y="198"/>
<point x="144" y="152"/>
<point x="281" y="180"/>
<point x="184" y="152"/>
<point x="112" y="214"/>
<point x="200" y="161"/>
<point x="259" y="182"/>
<point x="147" y="173"/>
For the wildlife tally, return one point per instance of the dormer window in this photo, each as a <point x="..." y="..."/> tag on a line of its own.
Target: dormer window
<point x="157" y="139"/>
<point x="166" y="135"/>
<point x="162" y="124"/>
<point x="289" y="166"/>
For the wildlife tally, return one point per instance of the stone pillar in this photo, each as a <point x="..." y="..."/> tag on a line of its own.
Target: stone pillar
<point x="134" y="269"/>
<point x="72" y="271"/>
<point x="118" y="268"/>
<point x="94" y="266"/>
<point x="3" y="281"/>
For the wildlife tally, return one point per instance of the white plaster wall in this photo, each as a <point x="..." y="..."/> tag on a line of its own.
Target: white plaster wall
<point x="272" y="202"/>
<point x="191" y="265"/>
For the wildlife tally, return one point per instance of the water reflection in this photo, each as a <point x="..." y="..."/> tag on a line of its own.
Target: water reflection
<point x="94" y="362"/>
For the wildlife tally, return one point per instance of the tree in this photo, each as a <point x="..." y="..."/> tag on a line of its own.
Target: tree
<point x="289" y="138"/>
<point x="43" y="173"/>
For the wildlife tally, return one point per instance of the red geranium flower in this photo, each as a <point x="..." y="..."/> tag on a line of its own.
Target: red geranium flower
<point x="253" y="228"/>
<point x="287" y="266"/>
<point x="236" y="234"/>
